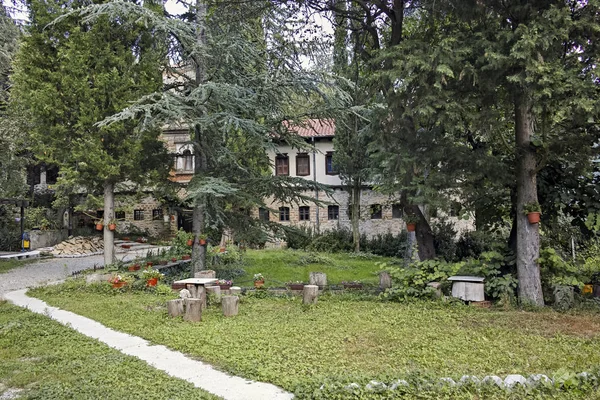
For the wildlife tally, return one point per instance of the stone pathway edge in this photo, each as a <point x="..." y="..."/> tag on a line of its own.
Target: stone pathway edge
<point x="174" y="363"/>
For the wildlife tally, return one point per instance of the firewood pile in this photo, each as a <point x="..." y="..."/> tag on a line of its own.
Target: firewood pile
<point x="78" y="246"/>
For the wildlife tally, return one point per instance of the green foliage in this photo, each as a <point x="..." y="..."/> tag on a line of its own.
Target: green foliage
<point x="50" y="361"/>
<point x="179" y="244"/>
<point x="335" y="240"/>
<point x="42" y="218"/>
<point x="386" y="245"/>
<point x="299" y="237"/>
<point x="420" y="340"/>
<point x="314" y="258"/>
<point x="228" y="265"/>
<point x="10" y="230"/>
<point x="532" y="207"/>
<point x="555" y="270"/>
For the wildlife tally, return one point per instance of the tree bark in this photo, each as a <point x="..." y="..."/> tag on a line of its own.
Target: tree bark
<point x="175" y="308"/>
<point x="528" y="237"/>
<point x="109" y="213"/>
<point x="423" y="233"/>
<point x="193" y="310"/>
<point x="355" y="214"/>
<point x="310" y="294"/>
<point x="230" y="305"/>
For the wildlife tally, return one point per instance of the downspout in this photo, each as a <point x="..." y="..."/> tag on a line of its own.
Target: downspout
<point x="315" y="181"/>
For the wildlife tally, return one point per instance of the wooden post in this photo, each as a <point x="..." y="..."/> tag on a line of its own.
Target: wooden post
<point x="193" y="310"/>
<point x="208" y="274"/>
<point x="175" y="308"/>
<point x="385" y="280"/>
<point x="230" y="305"/>
<point x="310" y="294"/>
<point x="318" y="278"/>
<point x="214" y="294"/>
<point x="235" y="290"/>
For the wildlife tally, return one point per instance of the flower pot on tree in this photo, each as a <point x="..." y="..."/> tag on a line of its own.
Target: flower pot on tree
<point x="190" y="242"/>
<point x="411" y="226"/>
<point x="533" y="211"/>
<point x="112" y="227"/>
<point x="99" y="226"/>
<point x="533" y="217"/>
<point x="202" y="242"/>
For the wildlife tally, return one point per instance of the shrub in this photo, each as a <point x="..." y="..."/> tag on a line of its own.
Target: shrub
<point x="336" y="240"/>
<point x="298" y="238"/>
<point x="444" y="240"/>
<point x="386" y="245"/>
<point x="10" y="231"/>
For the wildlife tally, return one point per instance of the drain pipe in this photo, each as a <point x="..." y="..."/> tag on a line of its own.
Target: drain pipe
<point x="315" y="181"/>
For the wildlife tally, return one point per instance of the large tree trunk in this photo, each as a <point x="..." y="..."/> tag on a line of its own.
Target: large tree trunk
<point x="423" y="233"/>
<point x="528" y="237"/>
<point x="355" y="216"/>
<point x="199" y="252"/>
<point x="109" y="214"/>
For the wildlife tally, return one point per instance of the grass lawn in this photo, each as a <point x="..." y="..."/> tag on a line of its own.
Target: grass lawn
<point x="281" y="341"/>
<point x="51" y="361"/>
<point x="9" y="264"/>
<point x="281" y="266"/>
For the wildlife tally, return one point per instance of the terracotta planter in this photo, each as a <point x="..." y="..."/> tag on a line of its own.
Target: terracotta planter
<point x="222" y="249"/>
<point x="259" y="284"/>
<point x="135" y="267"/>
<point x="152" y="282"/>
<point x="173" y="259"/>
<point x="149" y="264"/>
<point x="186" y="257"/>
<point x="190" y="242"/>
<point x="411" y="227"/>
<point x="296" y="286"/>
<point x="225" y="287"/>
<point x="119" y="284"/>
<point x="99" y="227"/>
<point x="203" y="242"/>
<point x="126" y="246"/>
<point x="163" y="262"/>
<point x="533" y="217"/>
<point x="112" y="227"/>
<point x="126" y="239"/>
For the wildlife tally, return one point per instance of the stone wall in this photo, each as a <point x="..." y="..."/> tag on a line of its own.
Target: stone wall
<point x="47" y="238"/>
<point x="159" y="226"/>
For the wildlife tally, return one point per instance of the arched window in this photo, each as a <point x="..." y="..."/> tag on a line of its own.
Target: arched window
<point x="188" y="160"/>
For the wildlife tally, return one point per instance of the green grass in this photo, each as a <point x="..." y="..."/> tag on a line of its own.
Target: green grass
<point x="281" y="266"/>
<point x="281" y="341"/>
<point x="51" y="361"/>
<point x="10" y="264"/>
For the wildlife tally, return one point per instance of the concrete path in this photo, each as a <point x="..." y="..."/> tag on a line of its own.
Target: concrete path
<point x="172" y="362"/>
<point x="54" y="269"/>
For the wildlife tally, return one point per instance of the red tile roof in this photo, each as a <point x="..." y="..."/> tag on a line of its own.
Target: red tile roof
<point x="314" y="128"/>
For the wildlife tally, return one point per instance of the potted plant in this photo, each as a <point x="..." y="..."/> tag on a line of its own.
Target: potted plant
<point x="259" y="280"/>
<point x="149" y="264"/>
<point x="112" y="225"/>
<point x="202" y="240"/>
<point x="352" y="284"/>
<point x="134" y="267"/>
<point x="173" y="259"/>
<point x="411" y="222"/>
<point x="99" y="225"/>
<point x="126" y="246"/>
<point x="186" y="257"/>
<point x="533" y="211"/>
<point x="152" y="276"/>
<point x="117" y="281"/>
<point x="224" y="284"/>
<point x="295" y="285"/>
<point x="190" y="242"/>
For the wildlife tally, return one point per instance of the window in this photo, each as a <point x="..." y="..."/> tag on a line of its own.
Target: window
<point x="304" y="213"/>
<point x="397" y="211"/>
<point x="284" y="213"/>
<point x="100" y="214"/>
<point x="329" y="167"/>
<point x="376" y="211"/>
<point x="119" y="214"/>
<point x="263" y="214"/>
<point x="157" y="213"/>
<point x="188" y="160"/>
<point x="282" y="165"/>
<point x="302" y="164"/>
<point x="138" y="215"/>
<point x="333" y="212"/>
<point x="51" y="175"/>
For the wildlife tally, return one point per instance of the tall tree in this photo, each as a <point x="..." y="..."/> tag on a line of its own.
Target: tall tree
<point x="249" y="81"/>
<point x="69" y="76"/>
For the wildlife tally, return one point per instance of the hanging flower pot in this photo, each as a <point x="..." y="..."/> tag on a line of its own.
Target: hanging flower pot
<point x="186" y="257"/>
<point x="112" y="227"/>
<point x="99" y="226"/>
<point x="533" y="217"/>
<point x="411" y="226"/>
<point x="202" y="242"/>
<point x="190" y="242"/>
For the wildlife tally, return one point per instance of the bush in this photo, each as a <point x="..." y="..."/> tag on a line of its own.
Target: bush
<point x="298" y="238"/>
<point x="444" y="240"/>
<point x="10" y="231"/>
<point x="386" y="245"/>
<point x="227" y="265"/>
<point x="333" y="241"/>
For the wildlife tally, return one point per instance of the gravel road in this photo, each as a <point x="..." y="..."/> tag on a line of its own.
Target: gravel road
<point x="54" y="269"/>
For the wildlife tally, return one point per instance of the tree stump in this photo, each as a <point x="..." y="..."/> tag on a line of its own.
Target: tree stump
<point x="318" y="278"/>
<point x="192" y="289"/>
<point x="175" y="308"/>
<point x="235" y="290"/>
<point x="310" y="294"/>
<point x="208" y="274"/>
<point x="230" y="305"/>
<point x="201" y="294"/>
<point x="385" y="280"/>
<point x="213" y="293"/>
<point x="193" y="310"/>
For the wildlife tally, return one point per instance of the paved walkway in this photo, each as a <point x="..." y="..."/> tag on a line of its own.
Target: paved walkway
<point x="172" y="362"/>
<point x="54" y="269"/>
